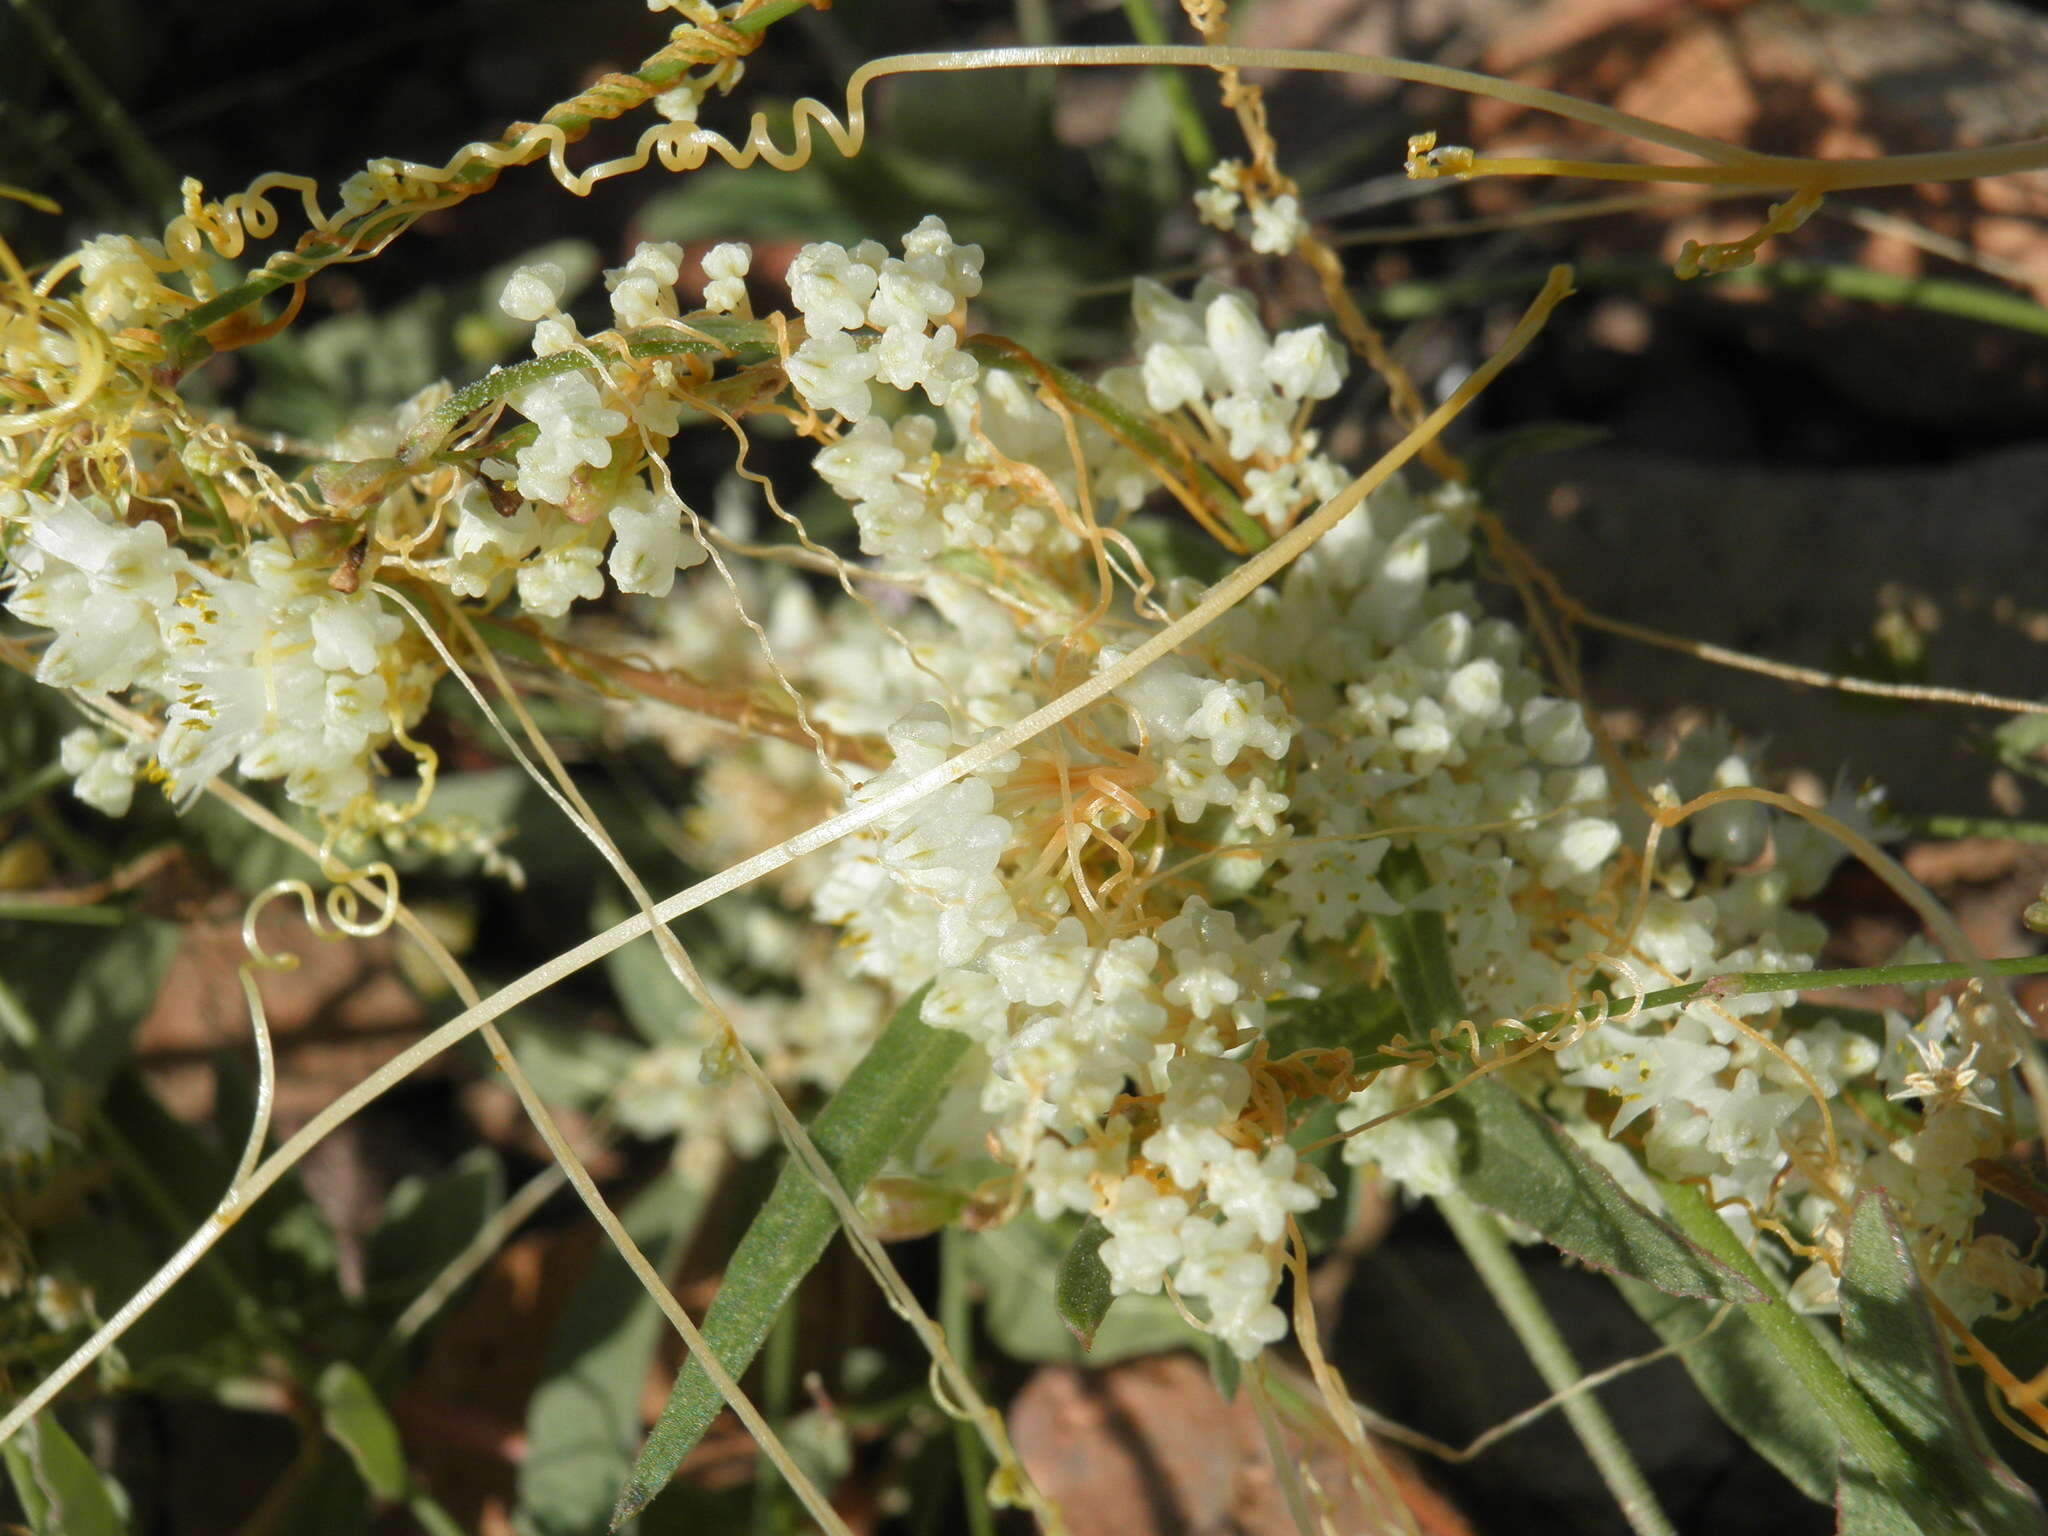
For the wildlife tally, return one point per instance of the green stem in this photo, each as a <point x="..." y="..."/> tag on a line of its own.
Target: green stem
<point x="1736" y="984"/>
<point x="1415" y="946"/>
<point x="49" y="776"/>
<point x="1479" y="1234"/>
<point x="1970" y="301"/>
<point x="1196" y="147"/>
<point x="1982" y="826"/>
<point x="1797" y="1345"/>
<point x="746" y="339"/>
<point x="956" y="1318"/>
<point x="48" y="912"/>
<point x="778" y="1375"/>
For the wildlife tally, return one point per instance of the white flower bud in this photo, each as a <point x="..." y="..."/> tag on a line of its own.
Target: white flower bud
<point x="533" y="293"/>
<point x="1555" y="731"/>
<point x="1238" y="340"/>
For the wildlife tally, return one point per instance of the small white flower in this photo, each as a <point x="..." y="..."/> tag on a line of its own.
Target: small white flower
<point x="1277" y="226"/>
<point x="555" y="578"/>
<point x="650" y="543"/>
<point x="103" y="772"/>
<point x="1305" y="364"/>
<point x="1556" y="731"/>
<point x="830" y="372"/>
<point x="830" y="288"/>
<point x="1217" y="208"/>
<point x="1259" y="423"/>
<point x="1174" y="375"/>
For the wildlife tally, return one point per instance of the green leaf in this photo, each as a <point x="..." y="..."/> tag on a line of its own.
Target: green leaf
<point x="89" y="991"/>
<point x="351" y="1412"/>
<point x="1515" y="1160"/>
<point x="877" y="1109"/>
<point x="1358" y="1019"/>
<point x="1020" y="1267"/>
<point x="247" y="855"/>
<point x="1081" y="1290"/>
<point x="574" y="1067"/>
<point x="1897" y="1355"/>
<point x="1493" y="454"/>
<point x="1521" y="1164"/>
<point x="427" y="1222"/>
<point x="1324" y="1226"/>
<point x="584" y="1420"/>
<point x="1864" y="1508"/>
<point x="334" y="1502"/>
<point x="1740" y="1373"/>
<point x="1225" y="1369"/>
<point x="653" y="1001"/>
<point x="61" y="1492"/>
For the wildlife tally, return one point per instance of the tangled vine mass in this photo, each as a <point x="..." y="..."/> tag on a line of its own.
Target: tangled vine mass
<point x="1153" y="891"/>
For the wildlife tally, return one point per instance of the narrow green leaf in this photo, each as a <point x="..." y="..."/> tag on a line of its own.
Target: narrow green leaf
<point x="1082" y="1291"/>
<point x="61" y="1492"/>
<point x="351" y="1412"/>
<point x="1897" y="1355"/>
<point x="881" y="1103"/>
<point x="584" y="1421"/>
<point x="1513" y="1159"/>
<point x="1324" y="1226"/>
<point x="1741" y="1374"/>
<point x="1520" y="1163"/>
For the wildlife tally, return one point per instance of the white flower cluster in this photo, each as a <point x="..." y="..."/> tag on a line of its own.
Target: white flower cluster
<point x="270" y="670"/>
<point x="1211" y="358"/>
<point x="872" y="318"/>
<point x="1111" y="913"/>
<point x="1008" y="484"/>
<point x="552" y="543"/>
<point x="1276" y="225"/>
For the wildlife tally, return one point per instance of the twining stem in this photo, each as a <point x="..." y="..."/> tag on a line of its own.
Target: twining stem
<point x="185" y="345"/>
<point x="1479" y="1234"/>
<point x="1796" y="1344"/>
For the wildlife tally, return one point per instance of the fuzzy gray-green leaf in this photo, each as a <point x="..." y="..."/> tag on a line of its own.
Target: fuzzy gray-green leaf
<point x="1740" y="1373"/>
<point x="1081" y="1290"/>
<point x="1515" y="1160"/>
<point x="1897" y="1355"/>
<point x="585" y="1416"/>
